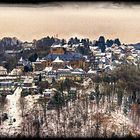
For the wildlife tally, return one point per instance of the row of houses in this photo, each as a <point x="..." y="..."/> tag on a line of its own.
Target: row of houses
<point x="62" y="63"/>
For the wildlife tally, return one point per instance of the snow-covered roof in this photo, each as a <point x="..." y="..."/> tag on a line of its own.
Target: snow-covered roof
<point x="75" y="45"/>
<point x="48" y="69"/>
<point x="28" y="80"/>
<point x="134" y="55"/>
<point x="73" y="88"/>
<point x="123" y="47"/>
<point x="56" y="46"/>
<point x="69" y="67"/>
<point x="37" y="59"/>
<point x="87" y="60"/>
<point x="130" y="47"/>
<point x="130" y="57"/>
<point x="8" y="78"/>
<point x="76" y="72"/>
<point x="2" y="68"/>
<point x="3" y="71"/>
<point x="58" y="60"/>
<point x="49" y="90"/>
<point x="15" y="72"/>
<point x="85" y="56"/>
<point x="108" y="66"/>
<point x="117" y="51"/>
<point x="65" y="46"/>
<point x="37" y="62"/>
<point x="91" y="71"/>
<point x="63" y="70"/>
<point x="103" y="59"/>
<point x="81" y="44"/>
<point x="95" y="47"/>
<point x="79" y="69"/>
<point x="54" y="89"/>
<point x="21" y="59"/>
<point x="108" y="55"/>
<point x="41" y="60"/>
<point x="100" y="54"/>
<point x="121" y="55"/>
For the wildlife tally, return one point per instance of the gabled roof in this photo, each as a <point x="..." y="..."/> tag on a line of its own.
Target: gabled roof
<point x="108" y="67"/>
<point x="48" y="69"/>
<point x="3" y="68"/>
<point x="68" y="67"/>
<point x="15" y="72"/>
<point x="130" y="57"/>
<point x="56" y="46"/>
<point x="79" y="69"/>
<point x="91" y="71"/>
<point x="23" y="62"/>
<point x="37" y="59"/>
<point x="21" y="59"/>
<point x="58" y="60"/>
<point x="65" y="57"/>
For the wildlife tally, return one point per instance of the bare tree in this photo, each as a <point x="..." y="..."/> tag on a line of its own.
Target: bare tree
<point x="23" y="105"/>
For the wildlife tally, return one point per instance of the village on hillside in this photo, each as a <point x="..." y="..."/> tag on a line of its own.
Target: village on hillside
<point x="73" y="90"/>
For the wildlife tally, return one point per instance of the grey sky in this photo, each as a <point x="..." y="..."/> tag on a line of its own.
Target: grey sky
<point x="28" y="22"/>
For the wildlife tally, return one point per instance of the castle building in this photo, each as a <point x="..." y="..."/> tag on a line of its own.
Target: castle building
<point x="59" y="57"/>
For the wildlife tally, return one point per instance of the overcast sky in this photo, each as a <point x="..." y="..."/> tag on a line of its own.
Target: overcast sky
<point x="88" y="20"/>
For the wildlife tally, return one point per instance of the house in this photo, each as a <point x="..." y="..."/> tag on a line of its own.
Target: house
<point x="108" y="68"/>
<point x="99" y="55"/>
<point x="91" y="72"/>
<point x="7" y="87"/>
<point x="21" y="64"/>
<point x="47" y="69"/>
<point x="63" y="74"/>
<point x="52" y="74"/>
<point x="59" y="53"/>
<point x="58" y="63"/>
<point x="27" y="45"/>
<point x="73" y="92"/>
<point x="13" y="52"/>
<point x="130" y="58"/>
<point x="48" y="93"/>
<point x="16" y="72"/>
<point x="29" y="86"/>
<point x="28" y="82"/>
<point x="37" y="66"/>
<point x="9" y="78"/>
<point x="3" y="71"/>
<point x="77" y="75"/>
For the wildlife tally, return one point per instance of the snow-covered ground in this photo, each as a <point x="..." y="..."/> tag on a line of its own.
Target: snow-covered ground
<point x="66" y="123"/>
<point x="13" y="111"/>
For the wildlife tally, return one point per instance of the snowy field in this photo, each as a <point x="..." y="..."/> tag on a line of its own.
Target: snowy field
<point x="13" y="110"/>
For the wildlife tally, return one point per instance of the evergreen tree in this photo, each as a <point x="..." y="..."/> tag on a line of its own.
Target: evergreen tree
<point x="109" y="43"/>
<point x="101" y="43"/>
<point x="71" y="41"/>
<point x="117" y="41"/>
<point x="63" y="42"/>
<point x="33" y="57"/>
<point x="26" y="69"/>
<point x="40" y="78"/>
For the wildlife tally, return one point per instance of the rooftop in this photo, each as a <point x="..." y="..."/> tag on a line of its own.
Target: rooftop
<point x="58" y="60"/>
<point x="65" y="57"/>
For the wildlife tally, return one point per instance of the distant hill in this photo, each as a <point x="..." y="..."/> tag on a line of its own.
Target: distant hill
<point x="45" y="42"/>
<point x="137" y="46"/>
<point x="9" y="43"/>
